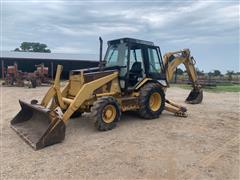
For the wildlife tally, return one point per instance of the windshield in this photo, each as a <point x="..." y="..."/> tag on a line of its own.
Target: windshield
<point x="116" y="55"/>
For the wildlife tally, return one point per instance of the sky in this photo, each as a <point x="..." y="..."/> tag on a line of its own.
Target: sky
<point x="210" y="28"/>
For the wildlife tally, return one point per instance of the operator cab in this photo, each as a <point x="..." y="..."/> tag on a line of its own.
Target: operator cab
<point x="135" y="59"/>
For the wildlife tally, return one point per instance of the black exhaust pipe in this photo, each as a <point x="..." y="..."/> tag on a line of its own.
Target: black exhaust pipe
<point x="101" y="63"/>
<point x="100" y="49"/>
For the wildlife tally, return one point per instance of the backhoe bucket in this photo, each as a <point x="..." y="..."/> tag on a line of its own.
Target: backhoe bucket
<point x="195" y="97"/>
<point x="38" y="125"/>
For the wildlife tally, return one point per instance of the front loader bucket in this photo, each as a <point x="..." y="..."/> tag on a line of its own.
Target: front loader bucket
<point x="195" y="97"/>
<point x="39" y="126"/>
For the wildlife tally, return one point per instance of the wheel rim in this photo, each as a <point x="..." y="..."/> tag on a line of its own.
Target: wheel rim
<point x="109" y="113"/>
<point x="155" y="101"/>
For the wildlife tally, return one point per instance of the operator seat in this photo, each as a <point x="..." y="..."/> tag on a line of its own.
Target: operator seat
<point x="135" y="72"/>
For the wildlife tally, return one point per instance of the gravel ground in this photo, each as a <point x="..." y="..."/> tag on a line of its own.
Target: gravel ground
<point x="205" y="145"/>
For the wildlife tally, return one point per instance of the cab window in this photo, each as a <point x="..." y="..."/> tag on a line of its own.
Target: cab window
<point x="154" y="62"/>
<point x="135" y="56"/>
<point x="116" y="55"/>
<point x="112" y="56"/>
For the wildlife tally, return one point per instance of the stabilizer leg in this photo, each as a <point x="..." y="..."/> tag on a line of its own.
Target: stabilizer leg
<point x="175" y="108"/>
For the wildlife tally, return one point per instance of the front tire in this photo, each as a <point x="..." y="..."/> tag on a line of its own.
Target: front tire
<point x="106" y="113"/>
<point x="151" y="101"/>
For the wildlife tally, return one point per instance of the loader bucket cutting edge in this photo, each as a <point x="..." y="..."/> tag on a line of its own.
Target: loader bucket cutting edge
<point x="195" y="97"/>
<point x="38" y="126"/>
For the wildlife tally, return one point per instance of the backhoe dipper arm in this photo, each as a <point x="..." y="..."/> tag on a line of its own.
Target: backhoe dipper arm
<point x="172" y="60"/>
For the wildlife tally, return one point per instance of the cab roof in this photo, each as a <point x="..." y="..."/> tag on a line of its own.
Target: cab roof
<point x="131" y="40"/>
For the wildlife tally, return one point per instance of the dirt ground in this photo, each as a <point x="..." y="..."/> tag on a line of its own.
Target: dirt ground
<point x="205" y="145"/>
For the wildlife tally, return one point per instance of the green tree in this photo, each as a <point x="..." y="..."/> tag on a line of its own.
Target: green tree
<point x="33" y="47"/>
<point x="210" y="74"/>
<point x="199" y="73"/>
<point x="229" y="74"/>
<point x="217" y="73"/>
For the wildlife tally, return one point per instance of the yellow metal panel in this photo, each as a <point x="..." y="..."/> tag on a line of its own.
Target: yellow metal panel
<point x="115" y="87"/>
<point x="76" y="83"/>
<point x="86" y="93"/>
<point x="67" y="100"/>
<point x="142" y="83"/>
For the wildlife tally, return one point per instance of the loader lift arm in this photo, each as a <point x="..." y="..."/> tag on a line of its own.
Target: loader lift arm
<point x="40" y="125"/>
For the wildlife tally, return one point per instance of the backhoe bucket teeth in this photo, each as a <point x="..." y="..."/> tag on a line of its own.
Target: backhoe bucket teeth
<point x="39" y="126"/>
<point x="195" y="96"/>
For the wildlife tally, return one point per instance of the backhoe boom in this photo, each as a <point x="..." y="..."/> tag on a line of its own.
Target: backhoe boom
<point x="172" y="60"/>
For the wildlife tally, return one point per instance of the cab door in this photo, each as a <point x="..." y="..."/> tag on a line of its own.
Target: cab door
<point x="136" y="66"/>
<point x="154" y="64"/>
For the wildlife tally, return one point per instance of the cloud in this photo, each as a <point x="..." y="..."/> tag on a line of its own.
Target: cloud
<point x="82" y="19"/>
<point x="72" y="26"/>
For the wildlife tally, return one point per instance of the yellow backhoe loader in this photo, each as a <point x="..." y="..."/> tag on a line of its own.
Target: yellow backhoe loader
<point x="131" y="77"/>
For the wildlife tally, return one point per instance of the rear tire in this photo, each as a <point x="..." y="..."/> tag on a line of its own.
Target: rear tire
<point x="106" y="113"/>
<point x="151" y="101"/>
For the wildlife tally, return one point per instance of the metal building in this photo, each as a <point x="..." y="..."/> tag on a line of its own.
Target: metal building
<point x="27" y="60"/>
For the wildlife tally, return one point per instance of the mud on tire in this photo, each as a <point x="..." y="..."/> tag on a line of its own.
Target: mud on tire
<point x="98" y="112"/>
<point x="146" y="91"/>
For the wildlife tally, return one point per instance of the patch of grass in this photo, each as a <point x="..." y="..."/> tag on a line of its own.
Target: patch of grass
<point x="218" y="88"/>
<point x="226" y="88"/>
<point x="184" y="86"/>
